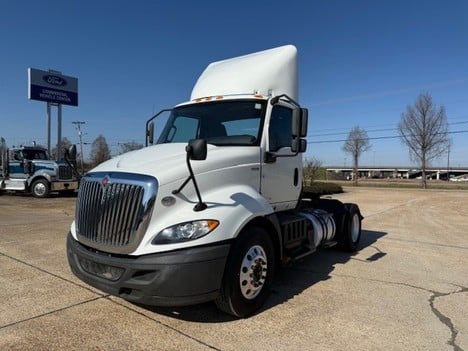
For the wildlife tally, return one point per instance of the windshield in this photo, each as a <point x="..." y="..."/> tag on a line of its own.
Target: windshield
<point x="30" y="154"/>
<point x="227" y="123"/>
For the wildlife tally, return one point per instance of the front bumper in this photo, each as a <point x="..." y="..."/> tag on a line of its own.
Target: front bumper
<point x="64" y="185"/>
<point x="183" y="277"/>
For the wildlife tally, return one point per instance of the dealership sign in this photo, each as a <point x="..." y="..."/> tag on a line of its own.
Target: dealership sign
<point x="51" y="86"/>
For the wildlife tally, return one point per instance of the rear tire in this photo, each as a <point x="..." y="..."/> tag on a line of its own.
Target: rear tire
<point x="248" y="273"/>
<point x="351" y="231"/>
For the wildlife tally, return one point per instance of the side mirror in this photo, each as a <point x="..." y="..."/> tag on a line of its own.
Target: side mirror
<point x="299" y="130"/>
<point x="298" y="145"/>
<point x="299" y="122"/>
<point x="150" y="134"/>
<point x="72" y="153"/>
<point x="196" y="149"/>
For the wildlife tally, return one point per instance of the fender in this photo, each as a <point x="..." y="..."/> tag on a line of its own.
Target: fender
<point x="41" y="174"/>
<point x="234" y="206"/>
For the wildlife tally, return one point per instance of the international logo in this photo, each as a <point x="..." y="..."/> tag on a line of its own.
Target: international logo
<point x="105" y="181"/>
<point x="54" y="80"/>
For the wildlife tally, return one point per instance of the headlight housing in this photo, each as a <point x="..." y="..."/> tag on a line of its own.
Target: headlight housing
<point x="185" y="231"/>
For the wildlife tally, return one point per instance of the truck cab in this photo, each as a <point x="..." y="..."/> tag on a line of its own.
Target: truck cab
<point x="30" y="169"/>
<point x="212" y="206"/>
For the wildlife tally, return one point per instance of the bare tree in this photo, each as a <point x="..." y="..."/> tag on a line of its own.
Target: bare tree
<point x="99" y="151"/>
<point x="311" y="169"/>
<point x="424" y="129"/>
<point x="130" y="146"/>
<point x="356" y="143"/>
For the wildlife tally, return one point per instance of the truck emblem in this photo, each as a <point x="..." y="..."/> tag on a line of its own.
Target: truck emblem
<point x="105" y="181"/>
<point x="54" y="80"/>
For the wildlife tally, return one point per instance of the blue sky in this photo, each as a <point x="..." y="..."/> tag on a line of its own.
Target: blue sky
<point x="360" y="64"/>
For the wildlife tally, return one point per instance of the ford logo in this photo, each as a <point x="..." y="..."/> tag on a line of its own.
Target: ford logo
<point x="54" y="80"/>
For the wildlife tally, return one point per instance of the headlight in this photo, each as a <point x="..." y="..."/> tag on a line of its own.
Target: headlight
<point x="185" y="231"/>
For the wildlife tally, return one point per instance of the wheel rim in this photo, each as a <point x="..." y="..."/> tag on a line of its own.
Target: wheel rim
<point x="355" y="226"/>
<point x="253" y="272"/>
<point x="40" y="189"/>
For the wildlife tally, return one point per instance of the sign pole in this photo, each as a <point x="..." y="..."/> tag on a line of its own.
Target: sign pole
<point x="59" y="132"/>
<point x="48" y="128"/>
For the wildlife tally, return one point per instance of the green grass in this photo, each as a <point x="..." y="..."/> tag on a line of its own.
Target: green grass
<point x="317" y="189"/>
<point x="404" y="184"/>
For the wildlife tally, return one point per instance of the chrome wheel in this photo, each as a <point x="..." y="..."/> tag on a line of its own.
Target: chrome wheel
<point x="248" y="274"/>
<point x="39" y="189"/>
<point x="253" y="272"/>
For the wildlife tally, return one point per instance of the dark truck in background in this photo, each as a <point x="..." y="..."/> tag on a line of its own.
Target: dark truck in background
<point x="30" y="169"/>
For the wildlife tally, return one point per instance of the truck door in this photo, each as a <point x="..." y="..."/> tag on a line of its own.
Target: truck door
<point x="281" y="169"/>
<point x="16" y="165"/>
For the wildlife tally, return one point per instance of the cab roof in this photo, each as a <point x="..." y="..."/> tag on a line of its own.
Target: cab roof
<point x="269" y="73"/>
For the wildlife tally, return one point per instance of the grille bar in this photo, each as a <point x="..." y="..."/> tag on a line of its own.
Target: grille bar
<point x="65" y="173"/>
<point x="113" y="210"/>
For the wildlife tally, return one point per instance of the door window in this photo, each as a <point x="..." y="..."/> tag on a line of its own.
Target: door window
<point x="280" y="128"/>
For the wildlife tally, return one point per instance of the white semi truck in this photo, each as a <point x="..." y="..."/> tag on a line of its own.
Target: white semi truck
<point x="213" y="207"/>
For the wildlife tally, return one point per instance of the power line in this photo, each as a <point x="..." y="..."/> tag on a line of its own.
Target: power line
<point x="372" y="130"/>
<point x="342" y="133"/>
<point x="375" y="138"/>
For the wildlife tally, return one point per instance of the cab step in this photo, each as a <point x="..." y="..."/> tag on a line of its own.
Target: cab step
<point x="299" y="253"/>
<point x="330" y="243"/>
<point x="13" y="184"/>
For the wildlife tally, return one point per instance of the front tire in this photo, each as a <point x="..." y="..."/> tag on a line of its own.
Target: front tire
<point x="40" y="188"/>
<point x="248" y="274"/>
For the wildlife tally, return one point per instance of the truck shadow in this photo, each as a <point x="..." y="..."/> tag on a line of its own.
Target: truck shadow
<point x="52" y="195"/>
<point x="290" y="281"/>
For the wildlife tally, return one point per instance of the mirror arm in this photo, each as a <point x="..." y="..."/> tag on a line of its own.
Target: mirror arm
<point x="150" y="120"/>
<point x="200" y="206"/>
<point x="275" y="100"/>
<point x="270" y="157"/>
<point x="72" y="166"/>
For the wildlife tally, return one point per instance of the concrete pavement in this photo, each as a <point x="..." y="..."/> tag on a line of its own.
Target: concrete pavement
<point x="406" y="289"/>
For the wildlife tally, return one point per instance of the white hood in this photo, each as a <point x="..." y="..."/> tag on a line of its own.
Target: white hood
<point x="167" y="162"/>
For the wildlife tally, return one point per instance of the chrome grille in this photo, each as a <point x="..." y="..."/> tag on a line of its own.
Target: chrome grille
<point x="65" y="172"/>
<point x="113" y="210"/>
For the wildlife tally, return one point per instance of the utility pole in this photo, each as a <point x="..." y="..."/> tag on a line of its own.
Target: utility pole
<point x="80" y="134"/>
<point x="448" y="162"/>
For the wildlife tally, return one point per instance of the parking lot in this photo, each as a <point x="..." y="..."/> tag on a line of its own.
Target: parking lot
<point x="405" y="289"/>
